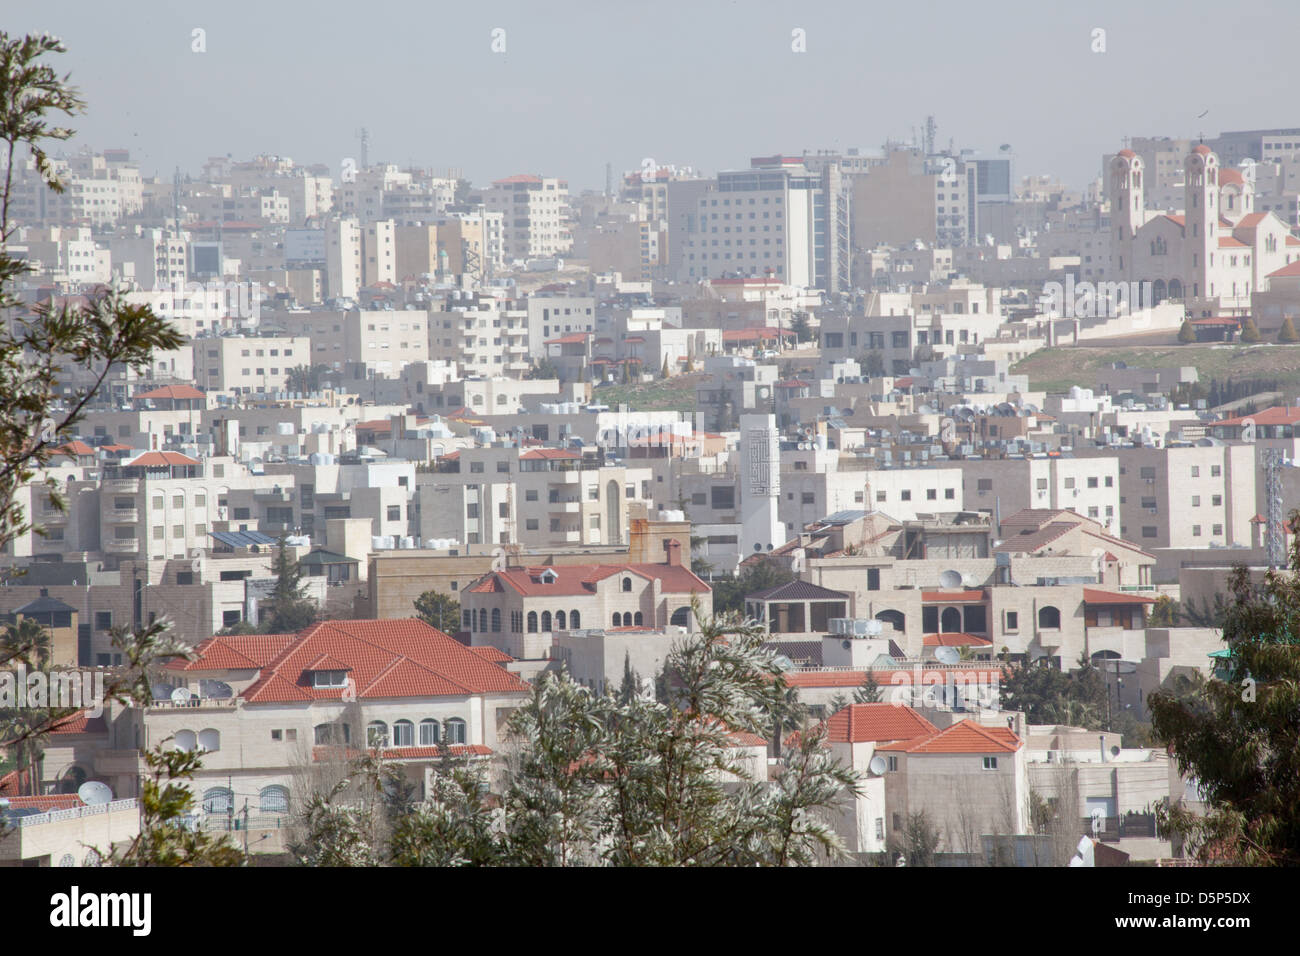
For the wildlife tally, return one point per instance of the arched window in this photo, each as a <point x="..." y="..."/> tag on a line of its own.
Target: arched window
<point x="627" y="584"/>
<point x="638" y="619"/>
<point x="950" y="620"/>
<point x="496" y="620"/>
<point x="532" y="622"/>
<point x="455" y="731"/>
<point x="681" y="617"/>
<point x="377" y="734"/>
<point x="618" y="619"/>
<point x="575" y="620"/>
<point x="559" y="621"/>
<point x="546" y="621"/>
<point x="273" y="799"/>
<point x="218" y="800"/>
<point x="185" y="740"/>
<point x="429" y="732"/>
<point x="403" y="733"/>
<point x="324" y="734"/>
<point x="209" y="739"/>
<point x="1049" y="617"/>
<point x="896" y="619"/>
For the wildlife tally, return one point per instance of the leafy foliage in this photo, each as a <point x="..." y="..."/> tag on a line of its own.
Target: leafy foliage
<point x="1240" y="736"/>
<point x="1187" y="334"/>
<point x="1049" y="695"/>
<point x="438" y="610"/>
<point x="729" y="592"/>
<point x="628" y="779"/>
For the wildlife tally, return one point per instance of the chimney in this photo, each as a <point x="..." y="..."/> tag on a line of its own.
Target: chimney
<point x="674" y="549"/>
<point x="45" y="592"/>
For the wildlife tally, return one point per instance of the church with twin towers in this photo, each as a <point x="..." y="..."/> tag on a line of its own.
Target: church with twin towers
<point x="1213" y="255"/>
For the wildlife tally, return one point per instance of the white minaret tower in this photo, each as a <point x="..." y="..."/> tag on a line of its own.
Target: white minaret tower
<point x="1128" y="211"/>
<point x="1201" y="218"/>
<point x="761" y="529"/>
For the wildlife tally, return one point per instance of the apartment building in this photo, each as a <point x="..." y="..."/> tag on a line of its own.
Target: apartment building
<point x="381" y="343"/>
<point x="244" y="366"/>
<point x="483" y="334"/>
<point x="530" y="497"/>
<point x="534" y="214"/>
<point x="1087" y="484"/>
<point x="912" y="196"/>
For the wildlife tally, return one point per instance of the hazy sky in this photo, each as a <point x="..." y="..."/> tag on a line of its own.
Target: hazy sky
<point x="707" y="83"/>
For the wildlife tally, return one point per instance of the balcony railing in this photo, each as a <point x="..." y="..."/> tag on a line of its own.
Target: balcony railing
<point x="1128" y="826"/>
<point x="201" y="703"/>
<point x="74" y="813"/>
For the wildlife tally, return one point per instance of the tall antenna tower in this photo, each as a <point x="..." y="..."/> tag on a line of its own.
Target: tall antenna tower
<point x="363" y="134"/>
<point x="609" y="180"/>
<point x="930" y="129"/>
<point x="1275" y="537"/>
<point x="176" y="200"/>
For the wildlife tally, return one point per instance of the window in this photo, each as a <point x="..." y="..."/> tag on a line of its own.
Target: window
<point x="1012" y="621"/>
<point x="403" y="733"/>
<point x="873" y="579"/>
<point x="277" y="734"/>
<point x="532" y="622"/>
<point x="1196" y="531"/>
<point x="906" y="494"/>
<point x="103" y="620"/>
<point x="1196" y="501"/>
<point x="1092" y="482"/>
<point x="723" y="498"/>
<point x="456" y="731"/>
<point x="1049" y="617"/>
<point x="949" y="494"/>
<point x="1216" y="471"/>
<point x="394" y="512"/>
<point x="931" y="494"/>
<point x="891" y="764"/>
<point x="329" y="678"/>
<point x="430" y="732"/>
<point x="209" y="740"/>
<point x="1196" y="471"/>
<point x="1216" y="500"/>
<point x="1216" y="530"/>
<point x="1150" y="531"/>
<point x="496" y="620"/>
<point x="990" y="763"/>
<point x="184" y="577"/>
<point x="377" y="734"/>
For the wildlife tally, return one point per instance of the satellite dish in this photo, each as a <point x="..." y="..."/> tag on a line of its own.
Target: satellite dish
<point x="94" y="792"/>
<point x="1114" y="751"/>
<point x="947" y="655"/>
<point x="950" y="580"/>
<point x="180" y="695"/>
<point x="846" y="644"/>
<point x="877" y="765"/>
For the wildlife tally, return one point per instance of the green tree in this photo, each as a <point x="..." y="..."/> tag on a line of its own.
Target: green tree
<point x="627" y="779"/>
<point x="544" y="368"/>
<point x="922" y="354"/>
<point x="438" y="610"/>
<point x="37" y="345"/>
<point x="1187" y="333"/>
<point x="1164" y="613"/>
<point x="800" y="326"/>
<point x="287" y="610"/>
<point x="1287" y="334"/>
<point x="729" y="592"/>
<point x="872" y="364"/>
<point x="307" y="379"/>
<point x="868" y="692"/>
<point x="1249" y="332"/>
<point x="1049" y="695"/>
<point x="1239" y="737"/>
<point x="919" y="841"/>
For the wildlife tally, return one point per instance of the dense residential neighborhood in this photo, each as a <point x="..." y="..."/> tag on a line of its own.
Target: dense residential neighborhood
<point x="447" y="488"/>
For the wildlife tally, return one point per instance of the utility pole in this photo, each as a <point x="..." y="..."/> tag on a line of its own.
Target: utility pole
<point x="245" y="830"/>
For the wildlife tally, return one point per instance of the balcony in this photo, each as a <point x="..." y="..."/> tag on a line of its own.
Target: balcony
<point x="124" y="516"/>
<point x="122" y="545"/>
<point x="122" y="486"/>
<point x="196" y="703"/>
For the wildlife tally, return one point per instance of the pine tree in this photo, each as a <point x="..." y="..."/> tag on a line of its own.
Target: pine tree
<point x="869" y="692"/>
<point x="1187" y="334"/>
<point x="1287" y="334"/>
<point x="1249" y="332"/>
<point x="287" y="610"/>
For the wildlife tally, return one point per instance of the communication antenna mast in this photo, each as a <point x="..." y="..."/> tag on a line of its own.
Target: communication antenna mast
<point x="1275" y="539"/>
<point x="363" y="134"/>
<point x="931" y="128"/>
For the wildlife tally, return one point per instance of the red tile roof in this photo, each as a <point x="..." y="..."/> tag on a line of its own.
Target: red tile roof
<point x="74" y="449"/>
<point x="235" y="652"/>
<point x="858" y="723"/>
<point x="172" y="392"/>
<point x="954" y="639"/>
<point x="161" y="459"/>
<point x="576" y="579"/>
<point x="81" y="723"/>
<point x="46" y="802"/>
<point x="954" y="597"/>
<point x="538" y="454"/>
<point x="324" y="753"/>
<point x="1287" y="271"/>
<point x="1277" y="415"/>
<point x="1228" y="242"/>
<point x="574" y="338"/>
<point x="1097" y="596"/>
<point x="387" y="658"/>
<point x="963" y="737"/>
<point x="490" y="653"/>
<point x="982" y="672"/>
<point x="1229" y="175"/>
<point x="518" y="178"/>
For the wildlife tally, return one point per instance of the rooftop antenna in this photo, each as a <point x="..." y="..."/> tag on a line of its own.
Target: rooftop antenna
<point x="930" y="129"/>
<point x="363" y="134"/>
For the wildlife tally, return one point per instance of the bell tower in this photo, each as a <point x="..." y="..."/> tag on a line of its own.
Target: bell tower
<point x="1201" y="222"/>
<point x="1128" y="211"/>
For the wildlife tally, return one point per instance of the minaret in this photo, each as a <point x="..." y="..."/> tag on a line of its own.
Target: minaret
<point x="1201" y="218"/>
<point x="1127" y="211"/>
